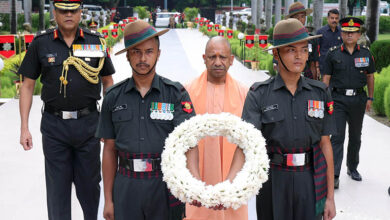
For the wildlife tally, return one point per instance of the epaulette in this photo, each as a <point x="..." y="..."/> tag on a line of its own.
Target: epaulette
<point x="177" y="85"/>
<point x="334" y="48"/>
<point x="116" y="85"/>
<point x="44" y="32"/>
<point x="257" y="85"/>
<point x="92" y="32"/>
<point x="316" y="83"/>
<point x="365" y="47"/>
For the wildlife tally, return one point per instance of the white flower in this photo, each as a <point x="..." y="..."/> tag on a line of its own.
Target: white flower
<point x="187" y="188"/>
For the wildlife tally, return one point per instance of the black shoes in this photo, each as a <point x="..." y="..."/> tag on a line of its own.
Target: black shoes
<point x="336" y="182"/>
<point x="355" y="175"/>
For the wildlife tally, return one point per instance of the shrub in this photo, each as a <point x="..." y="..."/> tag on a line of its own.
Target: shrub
<point x="387" y="102"/>
<point x="380" y="49"/>
<point x="191" y="13"/>
<point x="142" y="12"/>
<point x="381" y="83"/>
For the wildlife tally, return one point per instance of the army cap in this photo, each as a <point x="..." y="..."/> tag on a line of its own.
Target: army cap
<point x="67" y="4"/>
<point x="351" y="24"/>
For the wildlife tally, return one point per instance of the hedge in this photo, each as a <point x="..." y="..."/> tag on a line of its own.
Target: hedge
<point x="387" y="102"/>
<point x="380" y="49"/>
<point x="382" y="81"/>
<point x="7" y="78"/>
<point x="5" y="19"/>
<point x="110" y="40"/>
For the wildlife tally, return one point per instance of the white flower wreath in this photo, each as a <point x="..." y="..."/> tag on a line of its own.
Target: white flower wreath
<point x="247" y="182"/>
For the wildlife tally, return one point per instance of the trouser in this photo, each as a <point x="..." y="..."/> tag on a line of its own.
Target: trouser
<point x="72" y="154"/>
<point x="140" y="198"/>
<point x="287" y="195"/>
<point x="348" y="109"/>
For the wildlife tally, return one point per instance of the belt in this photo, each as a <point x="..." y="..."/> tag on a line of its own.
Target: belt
<point x="71" y="114"/>
<point x="291" y="160"/>
<point x="349" y="92"/>
<point x="140" y="165"/>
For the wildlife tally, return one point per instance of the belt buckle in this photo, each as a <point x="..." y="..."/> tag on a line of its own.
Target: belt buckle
<point x="349" y="92"/>
<point x="294" y="160"/>
<point x="69" y="115"/>
<point x="142" y="165"/>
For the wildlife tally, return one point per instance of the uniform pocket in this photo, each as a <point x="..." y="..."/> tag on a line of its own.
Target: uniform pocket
<point x="272" y="116"/>
<point x="122" y="115"/>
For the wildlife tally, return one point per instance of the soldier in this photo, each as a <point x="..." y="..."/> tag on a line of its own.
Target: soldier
<point x="71" y="79"/>
<point x="294" y="114"/>
<point x="297" y="10"/>
<point x="92" y="25"/>
<point x="137" y="116"/>
<point x="330" y="36"/>
<point x="348" y="69"/>
<point x="27" y="28"/>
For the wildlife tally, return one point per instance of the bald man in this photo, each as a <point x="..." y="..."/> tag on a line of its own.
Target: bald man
<point x="213" y="92"/>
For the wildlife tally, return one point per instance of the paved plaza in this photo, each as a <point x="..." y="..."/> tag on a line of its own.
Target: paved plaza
<point x="22" y="178"/>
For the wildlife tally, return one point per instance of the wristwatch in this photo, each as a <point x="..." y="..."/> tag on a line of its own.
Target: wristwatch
<point x="370" y="98"/>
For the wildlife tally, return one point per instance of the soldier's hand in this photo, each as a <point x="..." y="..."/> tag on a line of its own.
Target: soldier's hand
<point x="108" y="212"/>
<point x="330" y="209"/>
<point x="368" y="105"/>
<point x="26" y="139"/>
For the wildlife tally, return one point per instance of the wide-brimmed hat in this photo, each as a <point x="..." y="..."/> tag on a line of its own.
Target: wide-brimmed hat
<point x="67" y="4"/>
<point x="138" y="32"/>
<point x="351" y="24"/>
<point x="297" y="7"/>
<point x="290" y="31"/>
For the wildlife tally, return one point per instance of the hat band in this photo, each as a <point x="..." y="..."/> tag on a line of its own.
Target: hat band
<point x="67" y="6"/>
<point x="136" y="37"/>
<point x="296" y="10"/>
<point x="280" y="39"/>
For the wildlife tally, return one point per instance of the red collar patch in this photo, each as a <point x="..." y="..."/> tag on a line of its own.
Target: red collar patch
<point x="55" y="34"/>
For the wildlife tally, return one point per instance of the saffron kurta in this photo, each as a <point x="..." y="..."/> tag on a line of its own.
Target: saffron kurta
<point x="216" y="153"/>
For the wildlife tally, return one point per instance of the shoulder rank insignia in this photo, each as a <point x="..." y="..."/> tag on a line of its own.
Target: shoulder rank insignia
<point x="162" y="111"/>
<point x="330" y="107"/>
<point x="315" y="108"/>
<point x="187" y="107"/>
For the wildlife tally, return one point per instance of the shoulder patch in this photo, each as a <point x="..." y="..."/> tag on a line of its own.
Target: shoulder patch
<point x="257" y="85"/>
<point x="44" y="32"/>
<point x="116" y="85"/>
<point x="177" y="85"/>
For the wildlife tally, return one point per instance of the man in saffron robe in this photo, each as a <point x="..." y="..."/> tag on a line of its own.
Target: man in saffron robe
<point x="213" y="92"/>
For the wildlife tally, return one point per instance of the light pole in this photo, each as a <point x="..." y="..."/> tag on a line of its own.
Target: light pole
<point x="231" y="5"/>
<point x="242" y="44"/>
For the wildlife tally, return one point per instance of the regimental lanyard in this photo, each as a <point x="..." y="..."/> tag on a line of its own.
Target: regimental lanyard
<point x="161" y="111"/>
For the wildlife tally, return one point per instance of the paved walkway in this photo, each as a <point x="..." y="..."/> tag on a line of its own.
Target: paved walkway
<point x="22" y="184"/>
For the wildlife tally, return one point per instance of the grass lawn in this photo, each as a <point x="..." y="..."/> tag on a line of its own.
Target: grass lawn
<point x="384" y="36"/>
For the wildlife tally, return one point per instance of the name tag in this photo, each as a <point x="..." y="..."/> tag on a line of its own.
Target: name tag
<point x="89" y="50"/>
<point x="270" y="107"/>
<point x="119" y="107"/>
<point x="362" y="62"/>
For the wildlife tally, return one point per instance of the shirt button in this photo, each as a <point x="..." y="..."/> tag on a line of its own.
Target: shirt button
<point x="295" y="117"/>
<point x="293" y="99"/>
<point x="142" y="139"/>
<point x="142" y="117"/>
<point x="143" y="101"/>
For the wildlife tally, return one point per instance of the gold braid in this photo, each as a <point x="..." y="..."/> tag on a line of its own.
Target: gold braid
<point x="91" y="74"/>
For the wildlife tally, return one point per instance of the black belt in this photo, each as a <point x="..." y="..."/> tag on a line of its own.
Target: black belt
<point x="71" y="114"/>
<point x="297" y="159"/>
<point x="140" y="165"/>
<point x="349" y="92"/>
